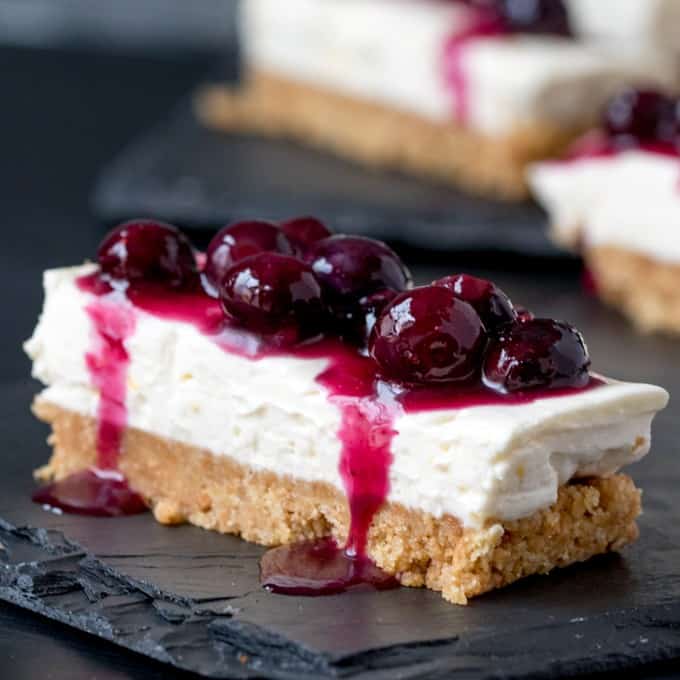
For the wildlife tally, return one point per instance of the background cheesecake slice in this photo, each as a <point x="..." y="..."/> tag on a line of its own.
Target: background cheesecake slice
<point x="653" y="23"/>
<point x="461" y="470"/>
<point x="615" y="199"/>
<point x="429" y="87"/>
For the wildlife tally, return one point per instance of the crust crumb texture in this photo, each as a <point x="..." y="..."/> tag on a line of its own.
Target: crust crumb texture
<point x="647" y="291"/>
<point x="382" y="137"/>
<point x="186" y="484"/>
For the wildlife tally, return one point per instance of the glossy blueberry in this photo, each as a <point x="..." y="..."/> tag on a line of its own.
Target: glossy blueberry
<point x="640" y="116"/>
<point x="304" y="232"/>
<point x="352" y="267"/>
<point x="524" y="315"/>
<point x="538" y="353"/>
<point x="428" y="335"/>
<point x="240" y="240"/>
<point x="535" y="16"/>
<point x="354" y="323"/>
<point x="273" y="294"/>
<point x="489" y="301"/>
<point x="147" y="250"/>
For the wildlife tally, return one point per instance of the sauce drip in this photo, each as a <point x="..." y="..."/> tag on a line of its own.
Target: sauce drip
<point x="107" y="362"/>
<point x="102" y="491"/>
<point x="484" y="24"/>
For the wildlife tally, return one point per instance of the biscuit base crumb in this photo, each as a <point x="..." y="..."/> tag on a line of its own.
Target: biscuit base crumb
<point x="183" y="483"/>
<point x="379" y="136"/>
<point x="647" y="291"/>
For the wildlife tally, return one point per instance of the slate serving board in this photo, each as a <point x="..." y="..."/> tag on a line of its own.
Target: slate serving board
<point x="187" y="174"/>
<point x="191" y="598"/>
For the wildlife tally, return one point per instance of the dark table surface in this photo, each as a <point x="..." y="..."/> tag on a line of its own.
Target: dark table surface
<point x="63" y="116"/>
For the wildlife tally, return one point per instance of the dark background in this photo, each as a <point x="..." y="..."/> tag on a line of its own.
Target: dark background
<point x="65" y="112"/>
<point x="63" y="115"/>
<point x="143" y="26"/>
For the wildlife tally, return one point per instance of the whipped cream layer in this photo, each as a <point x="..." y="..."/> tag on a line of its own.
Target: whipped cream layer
<point x="477" y="463"/>
<point x="392" y="52"/>
<point x="628" y="200"/>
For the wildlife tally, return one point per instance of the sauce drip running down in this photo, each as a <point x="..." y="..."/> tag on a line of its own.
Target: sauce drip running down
<point x="483" y="25"/>
<point x="102" y="490"/>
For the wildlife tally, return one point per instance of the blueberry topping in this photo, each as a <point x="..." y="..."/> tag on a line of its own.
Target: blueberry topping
<point x="147" y="250"/>
<point x="640" y="117"/>
<point x="538" y="353"/>
<point x="428" y="335"/>
<point x="535" y="16"/>
<point x="304" y="232"/>
<point x="270" y="293"/>
<point x="489" y="301"/>
<point x="240" y="240"/>
<point x="351" y="267"/>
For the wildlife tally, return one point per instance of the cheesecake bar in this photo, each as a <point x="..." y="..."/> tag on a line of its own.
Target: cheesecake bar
<point x="615" y="198"/>
<point x="292" y="387"/>
<point x="454" y="90"/>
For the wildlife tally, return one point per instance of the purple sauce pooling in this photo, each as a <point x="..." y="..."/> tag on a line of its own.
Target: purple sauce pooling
<point x="93" y="492"/>
<point x="313" y="568"/>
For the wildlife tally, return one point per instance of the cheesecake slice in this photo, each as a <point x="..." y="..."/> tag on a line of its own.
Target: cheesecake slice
<point x="448" y="89"/>
<point x="615" y="199"/>
<point x="294" y="388"/>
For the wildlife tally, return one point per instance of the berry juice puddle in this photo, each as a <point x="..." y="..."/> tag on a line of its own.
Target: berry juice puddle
<point x="295" y="290"/>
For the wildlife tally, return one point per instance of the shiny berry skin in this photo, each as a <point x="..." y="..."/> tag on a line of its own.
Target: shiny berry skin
<point x="240" y="240"/>
<point x="304" y="232"/>
<point x="270" y="293"/>
<point x="640" y="116"/>
<point x="538" y="353"/>
<point x="356" y="323"/>
<point x="524" y="315"/>
<point x="489" y="301"/>
<point x="535" y="16"/>
<point x="147" y="250"/>
<point x="372" y="306"/>
<point x="351" y="267"/>
<point x="428" y="335"/>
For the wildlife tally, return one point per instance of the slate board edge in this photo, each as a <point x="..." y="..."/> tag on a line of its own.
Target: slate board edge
<point x="250" y="649"/>
<point x="18" y="586"/>
<point x="115" y="198"/>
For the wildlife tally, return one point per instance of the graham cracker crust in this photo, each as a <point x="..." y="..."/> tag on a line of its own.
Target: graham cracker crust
<point x="382" y="137"/>
<point x="647" y="291"/>
<point x="186" y="484"/>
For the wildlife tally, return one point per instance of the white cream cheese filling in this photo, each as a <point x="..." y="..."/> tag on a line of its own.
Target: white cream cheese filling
<point x="391" y="52"/>
<point x="630" y="200"/>
<point x="500" y="461"/>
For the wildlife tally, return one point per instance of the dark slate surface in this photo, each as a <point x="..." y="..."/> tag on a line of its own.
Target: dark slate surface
<point x="188" y="174"/>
